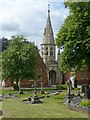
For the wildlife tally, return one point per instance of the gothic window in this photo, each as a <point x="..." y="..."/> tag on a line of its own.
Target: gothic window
<point x="51" y="53"/>
<point x="46" y="52"/>
<point x="42" y="48"/>
<point x="51" y="48"/>
<point x="46" y="48"/>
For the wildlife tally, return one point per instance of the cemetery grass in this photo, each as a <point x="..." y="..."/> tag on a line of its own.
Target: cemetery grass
<point x="52" y="107"/>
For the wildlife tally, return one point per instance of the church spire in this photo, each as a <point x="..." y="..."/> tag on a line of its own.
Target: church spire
<point x="48" y="43"/>
<point x="48" y="31"/>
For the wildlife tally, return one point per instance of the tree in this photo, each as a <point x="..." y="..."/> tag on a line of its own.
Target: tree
<point x="74" y="36"/>
<point x="19" y="59"/>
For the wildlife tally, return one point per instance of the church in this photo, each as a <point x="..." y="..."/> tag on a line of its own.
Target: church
<point x="51" y="73"/>
<point x="48" y="53"/>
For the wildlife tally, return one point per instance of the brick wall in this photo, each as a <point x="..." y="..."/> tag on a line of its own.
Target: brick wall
<point x="83" y="77"/>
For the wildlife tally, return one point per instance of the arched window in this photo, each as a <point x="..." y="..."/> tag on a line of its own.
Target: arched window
<point x="51" y="48"/>
<point x="51" y="53"/>
<point x="46" y="52"/>
<point x="46" y="48"/>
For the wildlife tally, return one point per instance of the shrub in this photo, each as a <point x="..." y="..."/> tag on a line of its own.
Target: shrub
<point x="85" y="103"/>
<point x="61" y="87"/>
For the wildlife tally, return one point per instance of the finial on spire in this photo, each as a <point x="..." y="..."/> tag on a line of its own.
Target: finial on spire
<point x="48" y="8"/>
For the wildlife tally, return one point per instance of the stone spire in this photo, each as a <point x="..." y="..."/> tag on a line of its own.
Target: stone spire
<point x="48" y="44"/>
<point x="48" y="31"/>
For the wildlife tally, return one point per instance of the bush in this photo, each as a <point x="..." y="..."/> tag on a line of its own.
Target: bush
<point x="85" y="103"/>
<point x="61" y="87"/>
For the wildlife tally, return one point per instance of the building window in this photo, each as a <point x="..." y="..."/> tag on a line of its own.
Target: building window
<point x="51" y="48"/>
<point x="51" y="53"/>
<point x="46" y="52"/>
<point x="46" y="48"/>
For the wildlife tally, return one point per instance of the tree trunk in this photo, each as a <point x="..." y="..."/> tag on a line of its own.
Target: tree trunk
<point x="35" y="91"/>
<point x="19" y="85"/>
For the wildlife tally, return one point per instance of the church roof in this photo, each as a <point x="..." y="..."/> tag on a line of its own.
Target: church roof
<point x="48" y="37"/>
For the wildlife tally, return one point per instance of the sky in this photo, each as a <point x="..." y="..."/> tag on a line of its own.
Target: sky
<point x="28" y="18"/>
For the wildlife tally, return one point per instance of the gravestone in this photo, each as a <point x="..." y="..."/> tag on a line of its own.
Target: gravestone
<point x="87" y="94"/>
<point x="1" y="112"/>
<point x="0" y="97"/>
<point x="83" y="88"/>
<point x="76" y="100"/>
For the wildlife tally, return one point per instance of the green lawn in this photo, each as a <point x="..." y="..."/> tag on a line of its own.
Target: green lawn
<point x="52" y="107"/>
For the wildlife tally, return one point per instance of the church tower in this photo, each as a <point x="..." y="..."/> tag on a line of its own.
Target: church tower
<point x="48" y="43"/>
<point x="48" y="52"/>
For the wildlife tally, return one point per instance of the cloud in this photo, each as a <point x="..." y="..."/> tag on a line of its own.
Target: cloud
<point x="10" y="24"/>
<point x="28" y="17"/>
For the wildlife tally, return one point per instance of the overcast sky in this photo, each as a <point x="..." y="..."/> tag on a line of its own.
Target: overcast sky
<point x="28" y="18"/>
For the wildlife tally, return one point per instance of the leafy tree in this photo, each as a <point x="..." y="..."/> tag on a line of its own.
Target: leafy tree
<point x="74" y="36"/>
<point x="19" y="59"/>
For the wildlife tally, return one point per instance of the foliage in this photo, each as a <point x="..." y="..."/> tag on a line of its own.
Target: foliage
<point x="61" y="87"/>
<point x="74" y="36"/>
<point x="85" y="103"/>
<point x="19" y="59"/>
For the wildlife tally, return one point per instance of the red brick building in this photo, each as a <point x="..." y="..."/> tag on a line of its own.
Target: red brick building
<point x="82" y="77"/>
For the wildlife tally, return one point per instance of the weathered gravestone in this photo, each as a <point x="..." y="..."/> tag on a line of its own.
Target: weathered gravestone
<point x="87" y="94"/>
<point x="76" y="100"/>
<point x="0" y="98"/>
<point x="1" y="112"/>
<point x="83" y="87"/>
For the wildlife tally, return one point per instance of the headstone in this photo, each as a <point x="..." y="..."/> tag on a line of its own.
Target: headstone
<point x="1" y="112"/>
<point x="76" y="100"/>
<point x="83" y="87"/>
<point x="87" y="94"/>
<point x="75" y="83"/>
<point x="0" y="97"/>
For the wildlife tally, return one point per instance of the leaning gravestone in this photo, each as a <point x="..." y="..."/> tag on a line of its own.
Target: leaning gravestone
<point x="76" y="100"/>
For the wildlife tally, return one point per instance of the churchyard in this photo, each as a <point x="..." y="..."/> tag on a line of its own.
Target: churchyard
<point x="53" y="105"/>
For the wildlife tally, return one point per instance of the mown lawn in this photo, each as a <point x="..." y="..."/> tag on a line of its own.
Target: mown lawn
<point x="52" y="107"/>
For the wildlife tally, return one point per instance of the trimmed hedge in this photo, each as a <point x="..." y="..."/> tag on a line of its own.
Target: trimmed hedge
<point x="85" y="103"/>
<point x="61" y="87"/>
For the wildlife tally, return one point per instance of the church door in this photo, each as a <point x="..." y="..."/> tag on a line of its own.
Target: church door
<point x="52" y="77"/>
